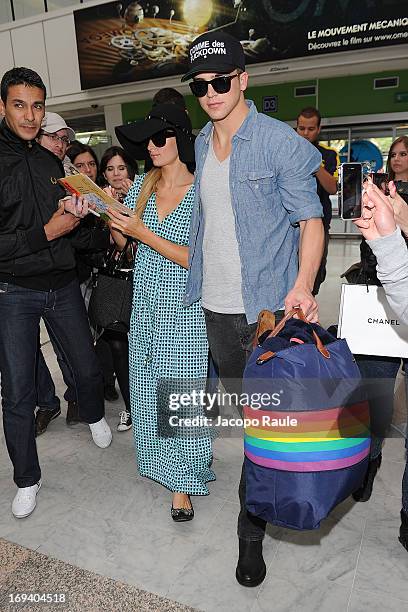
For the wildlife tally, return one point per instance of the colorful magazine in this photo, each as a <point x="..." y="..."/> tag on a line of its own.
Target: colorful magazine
<point x="80" y="184"/>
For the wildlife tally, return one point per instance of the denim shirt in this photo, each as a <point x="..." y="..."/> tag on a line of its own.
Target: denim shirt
<point x="272" y="188"/>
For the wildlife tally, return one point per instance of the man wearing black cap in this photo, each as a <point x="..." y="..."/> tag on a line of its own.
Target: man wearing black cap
<point x="256" y="236"/>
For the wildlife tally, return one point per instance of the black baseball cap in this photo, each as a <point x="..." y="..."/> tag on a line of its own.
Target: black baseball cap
<point x="134" y="136"/>
<point x="215" y="52"/>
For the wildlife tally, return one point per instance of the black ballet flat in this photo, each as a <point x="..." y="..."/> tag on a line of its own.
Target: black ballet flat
<point x="180" y="515"/>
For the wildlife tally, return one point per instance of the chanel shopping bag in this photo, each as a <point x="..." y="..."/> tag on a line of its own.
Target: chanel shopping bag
<point x="368" y="323"/>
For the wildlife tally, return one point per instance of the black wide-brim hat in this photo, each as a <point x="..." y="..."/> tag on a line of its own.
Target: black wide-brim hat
<point x="134" y="137"/>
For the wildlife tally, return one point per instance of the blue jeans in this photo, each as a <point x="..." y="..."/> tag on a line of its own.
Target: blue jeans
<point x="64" y="314"/>
<point x="46" y="398"/>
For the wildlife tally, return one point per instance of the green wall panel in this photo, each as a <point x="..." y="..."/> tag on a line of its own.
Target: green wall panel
<point x="355" y="95"/>
<point x="133" y="111"/>
<point x="288" y="105"/>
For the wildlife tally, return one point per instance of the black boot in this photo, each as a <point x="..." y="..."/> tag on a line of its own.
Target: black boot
<point x="43" y="419"/>
<point x="403" y="534"/>
<point x="251" y="568"/>
<point x="363" y="494"/>
<point x="72" y="414"/>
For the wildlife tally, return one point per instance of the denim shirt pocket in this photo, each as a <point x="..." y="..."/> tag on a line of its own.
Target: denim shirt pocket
<point x="260" y="182"/>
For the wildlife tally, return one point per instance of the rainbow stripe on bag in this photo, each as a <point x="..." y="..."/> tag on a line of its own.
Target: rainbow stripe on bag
<point x="321" y="440"/>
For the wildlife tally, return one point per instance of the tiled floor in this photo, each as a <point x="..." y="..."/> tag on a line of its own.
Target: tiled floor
<point x="96" y="513"/>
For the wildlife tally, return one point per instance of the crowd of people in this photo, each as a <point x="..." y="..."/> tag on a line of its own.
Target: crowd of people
<point x="193" y="256"/>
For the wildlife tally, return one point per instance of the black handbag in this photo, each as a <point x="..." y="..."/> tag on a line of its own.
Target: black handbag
<point x="363" y="272"/>
<point x="110" y="304"/>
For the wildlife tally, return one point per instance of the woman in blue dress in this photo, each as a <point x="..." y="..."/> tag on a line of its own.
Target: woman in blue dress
<point x="168" y="348"/>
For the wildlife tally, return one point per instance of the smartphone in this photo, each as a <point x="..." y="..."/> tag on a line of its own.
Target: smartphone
<point x="380" y="179"/>
<point x="402" y="189"/>
<point x="350" y="190"/>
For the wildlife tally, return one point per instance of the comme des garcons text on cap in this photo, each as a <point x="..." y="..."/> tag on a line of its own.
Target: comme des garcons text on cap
<point x="206" y="47"/>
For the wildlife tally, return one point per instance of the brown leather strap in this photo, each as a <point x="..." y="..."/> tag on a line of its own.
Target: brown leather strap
<point x="301" y="315"/>
<point x="266" y="320"/>
<point x="265" y="357"/>
<point x="282" y="322"/>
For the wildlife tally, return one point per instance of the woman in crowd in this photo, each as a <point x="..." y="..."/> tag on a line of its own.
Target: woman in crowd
<point x="84" y="158"/>
<point x="397" y="162"/>
<point x="397" y="168"/>
<point x="118" y="170"/>
<point x="382" y="371"/>
<point x="168" y="342"/>
<point x="378" y="226"/>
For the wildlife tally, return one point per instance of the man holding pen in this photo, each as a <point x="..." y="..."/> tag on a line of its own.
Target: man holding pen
<point x="38" y="236"/>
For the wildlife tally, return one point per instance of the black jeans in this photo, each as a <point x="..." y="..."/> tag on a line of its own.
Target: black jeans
<point x="118" y="346"/>
<point x="46" y="398"/>
<point x="380" y="374"/>
<point x="104" y="352"/>
<point x="64" y="314"/>
<point x="230" y="339"/>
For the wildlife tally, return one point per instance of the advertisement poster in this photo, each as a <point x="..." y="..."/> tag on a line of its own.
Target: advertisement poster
<point x="134" y="40"/>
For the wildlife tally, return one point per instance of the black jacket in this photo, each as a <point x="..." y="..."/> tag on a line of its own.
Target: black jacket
<point x="29" y="196"/>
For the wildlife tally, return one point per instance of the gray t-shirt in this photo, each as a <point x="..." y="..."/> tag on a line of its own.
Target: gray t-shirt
<point x="221" y="290"/>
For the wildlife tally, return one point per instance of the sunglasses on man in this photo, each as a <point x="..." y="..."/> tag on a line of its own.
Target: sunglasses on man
<point x="220" y="84"/>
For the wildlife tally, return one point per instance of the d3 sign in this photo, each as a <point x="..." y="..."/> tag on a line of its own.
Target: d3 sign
<point x="270" y="104"/>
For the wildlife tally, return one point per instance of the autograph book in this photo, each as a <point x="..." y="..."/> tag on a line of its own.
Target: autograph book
<point x="80" y="184"/>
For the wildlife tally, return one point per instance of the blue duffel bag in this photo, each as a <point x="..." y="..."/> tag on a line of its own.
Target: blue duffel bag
<point x="307" y="438"/>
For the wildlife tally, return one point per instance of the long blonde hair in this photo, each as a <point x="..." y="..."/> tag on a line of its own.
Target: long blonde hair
<point x="149" y="186"/>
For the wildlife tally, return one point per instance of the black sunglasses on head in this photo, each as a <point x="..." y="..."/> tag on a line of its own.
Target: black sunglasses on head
<point x="220" y="84"/>
<point x="160" y="138"/>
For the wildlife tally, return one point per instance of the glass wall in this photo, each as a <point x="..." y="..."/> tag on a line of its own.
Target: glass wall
<point x="401" y="130"/>
<point x="27" y="8"/>
<point x="91" y="130"/>
<point x="52" y="5"/>
<point x="10" y="10"/>
<point x="99" y="141"/>
<point x="5" y="12"/>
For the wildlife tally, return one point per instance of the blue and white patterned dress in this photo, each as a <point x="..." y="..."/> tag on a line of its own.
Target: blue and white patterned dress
<point x="166" y="341"/>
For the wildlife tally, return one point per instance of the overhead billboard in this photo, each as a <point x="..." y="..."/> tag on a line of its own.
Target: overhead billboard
<point x="126" y="41"/>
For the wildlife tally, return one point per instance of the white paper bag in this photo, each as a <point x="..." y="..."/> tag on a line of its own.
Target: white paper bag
<point x="368" y="323"/>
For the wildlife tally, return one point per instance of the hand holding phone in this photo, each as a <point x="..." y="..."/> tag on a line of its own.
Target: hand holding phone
<point x="380" y="180"/>
<point x="402" y="189"/>
<point x="350" y="190"/>
<point x="378" y="218"/>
